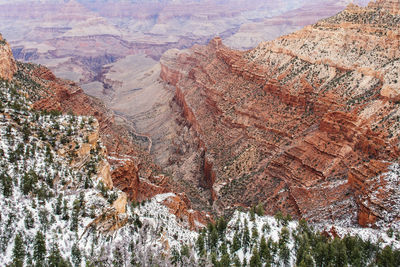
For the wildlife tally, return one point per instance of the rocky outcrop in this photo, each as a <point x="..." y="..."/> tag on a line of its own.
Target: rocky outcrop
<point x="126" y="177"/>
<point x="7" y="62"/>
<point x="180" y="206"/>
<point x="304" y="124"/>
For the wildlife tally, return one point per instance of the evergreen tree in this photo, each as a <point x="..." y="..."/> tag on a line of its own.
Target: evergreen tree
<point x="307" y="261"/>
<point x="253" y="214"/>
<point x="340" y="255"/>
<point x="236" y="245"/>
<point x="236" y="262"/>
<point x="284" y="254"/>
<point x="279" y="217"/>
<point x="221" y="227"/>
<point x="65" y="210"/>
<point x="133" y="259"/>
<point x="284" y="236"/>
<point x="29" y="221"/>
<point x="18" y="251"/>
<point x="39" y="249"/>
<point x="200" y="244"/>
<point x="255" y="260"/>
<point x="175" y="257"/>
<point x="76" y="255"/>
<point x="254" y="234"/>
<point x="321" y="253"/>
<point x="57" y="208"/>
<point x="55" y="259"/>
<point x="260" y="210"/>
<point x="29" y="181"/>
<point x="74" y="220"/>
<point x="385" y="258"/>
<point x="225" y="260"/>
<point x="265" y="253"/>
<point x="185" y="251"/>
<point x="29" y="259"/>
<point x="246" y="237"/>
<point x="118" y="258"/>
<point x="213" y="238"/>
<point x="7" y="185"/>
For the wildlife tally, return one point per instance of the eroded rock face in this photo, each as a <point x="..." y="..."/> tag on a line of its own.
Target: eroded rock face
<point x="7" y="62"/>
<point x="180" y="206"/>
<point x="304" y="124"/>
<point x="128" y="167"/>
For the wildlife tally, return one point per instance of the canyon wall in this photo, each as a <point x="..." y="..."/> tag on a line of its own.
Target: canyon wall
<point x="307" y="124"/>
<point x="7" y="62"/>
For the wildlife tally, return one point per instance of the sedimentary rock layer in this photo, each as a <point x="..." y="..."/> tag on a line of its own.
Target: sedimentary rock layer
<point x="305" y="124"/>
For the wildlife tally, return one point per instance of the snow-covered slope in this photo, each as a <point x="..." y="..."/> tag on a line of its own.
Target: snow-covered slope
<point x="56" y="190"/>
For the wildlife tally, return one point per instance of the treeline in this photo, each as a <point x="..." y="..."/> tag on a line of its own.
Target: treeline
<point x="295" y="246"/>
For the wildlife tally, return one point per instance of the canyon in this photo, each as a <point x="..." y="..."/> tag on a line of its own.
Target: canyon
<point x="305" y="124"/>
<point x="182" y="151"/>
<point x="82" y="40"/>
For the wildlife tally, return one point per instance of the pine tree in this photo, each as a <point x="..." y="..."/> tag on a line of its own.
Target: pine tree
<point x="254" y="234"/>
<point x="221" y="227"/>
<point x="57" y="208"/>
<point x="284" y="236"/>
<point x="55" y="259"/>
<point x="255" y="260"/>
<point x="284" y="254"/>
<point x="118" y="258"/>
<point x="386" y="258"/>
<point x="76" y="255"/>
<point x="279" y="217"/>
<point x="264" y="250"/>
<point x="133" y="259"/>
<point x="18" y="251"/>
<point x="29" y="221"/>
<point x="29" y="259"/>
<point x="200" y="244"/>
<point x="65" y="210"/>
<point x="246" y="237"/>
<point x="213" y="238"/>
<point x="7" y="185"/>
<point x="236" y="262"/>
<point x="225" y="260"/>
<point x="253" y="214"/>
<point x="236" y="243"/>
<point x="74" y="220"/>
<point x="175" y="257"/>
<point x="341" y="255"/>
<point x="39" y="249"/>
<point x="307" y="261"/>
<point x="260" y="210"/>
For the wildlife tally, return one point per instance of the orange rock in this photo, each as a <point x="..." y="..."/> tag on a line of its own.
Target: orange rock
<point x="7" y="62"/>
<point x="310" y="107"/>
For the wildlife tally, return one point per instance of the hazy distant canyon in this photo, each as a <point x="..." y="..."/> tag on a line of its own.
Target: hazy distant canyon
<point x="79" y="40"/>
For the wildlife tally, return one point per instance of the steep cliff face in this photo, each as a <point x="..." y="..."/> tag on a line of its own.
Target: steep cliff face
<point x="305" y="124"/>
<point x="7" y="62"/>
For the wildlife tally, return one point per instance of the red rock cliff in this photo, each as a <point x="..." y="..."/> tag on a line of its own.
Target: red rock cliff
<point x="7" y="62"/>
<point x="305" y="124"/>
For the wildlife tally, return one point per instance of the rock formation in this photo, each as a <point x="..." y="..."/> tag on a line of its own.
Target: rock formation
<point x="7" y="63"/>
<point x="307" y="124"/>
